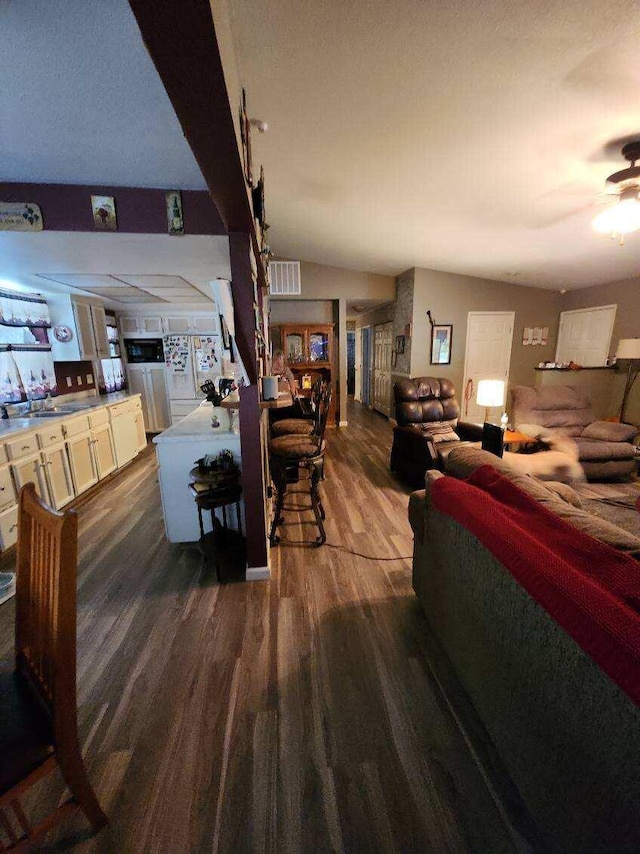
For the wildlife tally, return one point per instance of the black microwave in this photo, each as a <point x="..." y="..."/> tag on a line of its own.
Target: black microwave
<point x="143" y="350"/>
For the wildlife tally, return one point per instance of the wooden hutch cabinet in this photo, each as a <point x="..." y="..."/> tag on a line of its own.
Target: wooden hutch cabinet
<point x="308" y="351"/>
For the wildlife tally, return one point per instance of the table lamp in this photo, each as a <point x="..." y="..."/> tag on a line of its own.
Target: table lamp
<point x="490" y="394"/>
<point x="628" y="348"/>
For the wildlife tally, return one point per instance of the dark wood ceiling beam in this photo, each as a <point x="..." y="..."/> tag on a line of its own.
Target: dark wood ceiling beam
<point x="181" y="41"/>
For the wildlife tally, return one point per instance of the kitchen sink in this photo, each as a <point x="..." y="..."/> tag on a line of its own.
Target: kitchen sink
<point x="50" y="413"/>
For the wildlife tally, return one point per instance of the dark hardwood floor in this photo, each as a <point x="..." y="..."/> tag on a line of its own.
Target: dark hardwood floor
<point x="296" y="715"/>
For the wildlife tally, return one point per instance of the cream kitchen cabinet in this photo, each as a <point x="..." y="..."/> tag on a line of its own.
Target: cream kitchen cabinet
<point x="131" y="325"/>
<point x="81" y="460"/>
<point x="7" y="491"/>
<point x="125" y="430"/>
<point x="104" y="453"/>
<point x="193" y="324"/>
<point x="86" y="319"/>
<point x="29" y="469"/>
<point x="149" y="382"/>
<point x="57" y="476"/>
<point x="8" y="527"/>
<point x="141" y="435"/>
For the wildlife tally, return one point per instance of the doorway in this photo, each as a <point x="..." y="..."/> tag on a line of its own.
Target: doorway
<point x="382" y="368"/>
<point x="351" y="362"/>
<point x="487" y="356"/>
<point x="366" y="365"/>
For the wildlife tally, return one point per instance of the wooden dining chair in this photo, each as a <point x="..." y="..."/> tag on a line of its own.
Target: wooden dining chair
<point x="38" y="713"/>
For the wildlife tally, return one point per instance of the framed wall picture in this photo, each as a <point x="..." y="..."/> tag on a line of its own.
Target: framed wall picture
<point x="104" y="213"/>
<point x="441" y="338"/>
<point x="175" y="221"/>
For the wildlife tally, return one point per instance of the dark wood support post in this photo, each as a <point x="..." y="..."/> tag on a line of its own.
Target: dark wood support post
<point x="250" y="414"/>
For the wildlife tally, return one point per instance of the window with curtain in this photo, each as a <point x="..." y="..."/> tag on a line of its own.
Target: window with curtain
<point x="26" y="364"/>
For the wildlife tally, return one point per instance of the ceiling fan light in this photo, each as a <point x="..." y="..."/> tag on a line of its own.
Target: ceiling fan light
<point x="622" y="218"/>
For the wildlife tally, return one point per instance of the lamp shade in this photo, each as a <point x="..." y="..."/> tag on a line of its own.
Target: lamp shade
<point x="628" y="348"/>
<point x="490" y="393"/>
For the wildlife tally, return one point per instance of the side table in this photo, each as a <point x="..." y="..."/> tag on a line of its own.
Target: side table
<point x="213" y="492"/>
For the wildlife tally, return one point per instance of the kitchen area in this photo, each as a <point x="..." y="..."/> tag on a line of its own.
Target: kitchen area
<point x="84" y="386"/>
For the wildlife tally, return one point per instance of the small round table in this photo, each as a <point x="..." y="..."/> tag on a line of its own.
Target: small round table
<point x="214" y="490"/>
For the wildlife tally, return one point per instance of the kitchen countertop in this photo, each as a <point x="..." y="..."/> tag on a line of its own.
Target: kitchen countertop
<point x="15" y="425"/>
<point x="195" y="427"/>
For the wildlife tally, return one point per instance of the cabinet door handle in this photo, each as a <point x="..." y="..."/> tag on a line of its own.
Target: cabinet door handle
<point x="26" y="447"/>
<point x="13" y="527"/>
<point x="53" y="437"/>
<point x="2" y="488"/>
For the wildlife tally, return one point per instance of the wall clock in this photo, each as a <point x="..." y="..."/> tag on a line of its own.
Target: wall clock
<point x="62" y="333"/>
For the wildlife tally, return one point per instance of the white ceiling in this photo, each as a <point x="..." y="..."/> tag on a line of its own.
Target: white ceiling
<point x="125" y="270"/>
<point x="454" y="135"/>
<point x="81" y="101"/>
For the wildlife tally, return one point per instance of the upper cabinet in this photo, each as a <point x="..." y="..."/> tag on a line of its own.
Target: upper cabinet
<point x="307" y="344"/>
<point x="79" y="329"/>
<point x="141" y="326"/>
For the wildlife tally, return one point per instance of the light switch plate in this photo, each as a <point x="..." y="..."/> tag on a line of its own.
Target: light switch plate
<point x="79" y="380"/>
<point x="89" y="379"/>
<point x="69" y="382"/>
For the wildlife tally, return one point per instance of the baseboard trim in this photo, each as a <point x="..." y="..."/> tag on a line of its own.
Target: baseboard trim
<point x="343" y="423"/>
<point x="258" y="573"/>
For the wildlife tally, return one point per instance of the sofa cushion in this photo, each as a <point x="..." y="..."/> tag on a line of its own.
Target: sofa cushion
<point x="463" y="461"/>
<point x="610" y="431"/>
<point x="560" y="409"/>
<point x="596" y="449"/>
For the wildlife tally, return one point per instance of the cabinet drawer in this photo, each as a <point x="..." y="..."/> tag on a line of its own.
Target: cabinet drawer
<point x="52" y="436"/>
<point x="21" y="447"/>
<point x="7" y="492"/>
<point x="76" y="426"/>
<point x="8" y="527"/>
<point x="99" y="417"/>
<point x="121" y="408"/>
<point x="3" y="454"/>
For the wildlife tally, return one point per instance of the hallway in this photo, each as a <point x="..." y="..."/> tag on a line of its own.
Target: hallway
<point x="302" y="714"/>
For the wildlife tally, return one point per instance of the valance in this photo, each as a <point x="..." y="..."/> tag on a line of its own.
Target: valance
<point x="23" y="310"/>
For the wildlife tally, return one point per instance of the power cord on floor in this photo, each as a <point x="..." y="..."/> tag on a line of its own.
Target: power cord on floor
<point x="285" y="541"/>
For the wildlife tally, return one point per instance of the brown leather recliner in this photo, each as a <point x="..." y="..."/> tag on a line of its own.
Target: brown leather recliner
<point x="427" y="414"/>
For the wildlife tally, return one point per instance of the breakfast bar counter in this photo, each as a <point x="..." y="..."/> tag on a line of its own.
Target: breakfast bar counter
<point x="177" y="451"/>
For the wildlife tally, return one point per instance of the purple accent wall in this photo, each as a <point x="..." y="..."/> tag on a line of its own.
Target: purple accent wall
<point x="67" y="207"/>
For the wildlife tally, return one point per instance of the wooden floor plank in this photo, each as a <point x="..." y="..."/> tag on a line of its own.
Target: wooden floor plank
<point x="300" y="714"/>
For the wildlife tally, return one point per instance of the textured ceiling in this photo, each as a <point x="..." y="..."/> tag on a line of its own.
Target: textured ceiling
<point x="460" y="136"/>
<point x="81" y="102"/>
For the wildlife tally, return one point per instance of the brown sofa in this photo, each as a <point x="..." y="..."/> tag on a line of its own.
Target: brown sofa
<point x="605" y="449"/>
<point x="427" y="413"/>
<point x="564" y="725"/>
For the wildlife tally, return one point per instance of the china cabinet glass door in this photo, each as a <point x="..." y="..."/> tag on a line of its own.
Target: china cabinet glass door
<point x="318" y="346"/>
<point x="295" y="347"/>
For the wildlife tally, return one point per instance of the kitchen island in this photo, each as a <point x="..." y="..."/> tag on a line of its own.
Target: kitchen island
<point x="177" y="450"/>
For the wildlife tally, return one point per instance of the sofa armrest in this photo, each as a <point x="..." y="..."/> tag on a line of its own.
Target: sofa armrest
<point x="469" y="432"/>
<point x="610" y="431"/>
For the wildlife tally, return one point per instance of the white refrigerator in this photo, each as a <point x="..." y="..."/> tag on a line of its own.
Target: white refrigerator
<point x="189" y="361"/>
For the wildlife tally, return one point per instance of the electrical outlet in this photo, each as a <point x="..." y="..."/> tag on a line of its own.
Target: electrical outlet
<point x="79" y="380"/>
<point x="69" y="382"/>
<point x="89" y="379"/>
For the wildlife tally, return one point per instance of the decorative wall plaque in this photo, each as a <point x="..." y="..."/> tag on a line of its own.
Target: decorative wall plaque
<point x="104" y="213"/>
<point x="175" y="219"/>
<point x="20" y="216"/>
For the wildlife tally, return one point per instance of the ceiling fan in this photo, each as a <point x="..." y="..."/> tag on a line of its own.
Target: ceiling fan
<point x="624" y="216"/>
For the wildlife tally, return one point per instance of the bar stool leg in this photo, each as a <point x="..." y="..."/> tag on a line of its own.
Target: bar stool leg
<point x="200" y="522"/>
<point x="316" y="504"/>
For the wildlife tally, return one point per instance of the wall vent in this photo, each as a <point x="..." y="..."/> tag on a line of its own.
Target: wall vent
<point x="285" y="278"/>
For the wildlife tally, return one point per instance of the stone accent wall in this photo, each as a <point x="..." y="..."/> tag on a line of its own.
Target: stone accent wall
<point x="402" y="315"/>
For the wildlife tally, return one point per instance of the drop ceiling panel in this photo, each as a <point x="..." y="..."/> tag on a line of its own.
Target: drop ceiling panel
<point x="155" y="281"/>
<point x="81" y="280"/>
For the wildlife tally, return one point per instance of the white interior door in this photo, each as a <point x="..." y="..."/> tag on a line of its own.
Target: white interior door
<point x="487" y="357"/>
<point x="584" y="336"/>
<point x="382" y="368"/>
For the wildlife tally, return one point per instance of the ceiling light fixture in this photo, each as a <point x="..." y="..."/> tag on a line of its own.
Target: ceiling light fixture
<point x="623" y="217"/>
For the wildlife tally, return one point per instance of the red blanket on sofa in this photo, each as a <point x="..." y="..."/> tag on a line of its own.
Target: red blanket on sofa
<point x="587" y="587"/>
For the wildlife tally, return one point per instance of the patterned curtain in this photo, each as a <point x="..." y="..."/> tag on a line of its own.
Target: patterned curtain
<point x="23" y="310"/>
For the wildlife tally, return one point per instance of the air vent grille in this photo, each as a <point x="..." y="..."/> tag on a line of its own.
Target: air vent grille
<point x="285" y="277"/>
